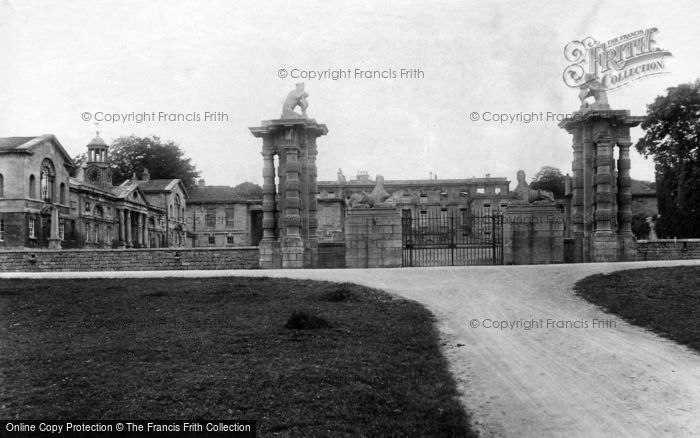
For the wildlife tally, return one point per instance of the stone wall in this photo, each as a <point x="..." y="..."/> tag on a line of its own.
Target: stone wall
<point x="129" y="259"/>
<point x="533" y="234"/>
<point x="668" y="249"/>
<point x="373" y="238"/>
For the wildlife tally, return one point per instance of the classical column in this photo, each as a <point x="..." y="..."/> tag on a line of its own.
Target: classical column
<point x="146" y="240"/>
<point x="127" y="220"/>
<point x="120" y="215"/>
<point x="269" y="191"/>
<point x="624" y="189"/>
<point x="139" y="231"/>
<point x="603" y="183"/>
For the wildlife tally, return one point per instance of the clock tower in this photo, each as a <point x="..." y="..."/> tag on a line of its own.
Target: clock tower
<point x="97" y="171"/>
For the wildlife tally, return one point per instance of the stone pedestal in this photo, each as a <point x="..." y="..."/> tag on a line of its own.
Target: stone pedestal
<point x="601" y="203"/>
<point x="533" y="234"/>
<point x="373" y="238"/>
<point x="289" y="205"/>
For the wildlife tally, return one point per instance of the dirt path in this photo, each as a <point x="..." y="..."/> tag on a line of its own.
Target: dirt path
<point x="614" y="379"/>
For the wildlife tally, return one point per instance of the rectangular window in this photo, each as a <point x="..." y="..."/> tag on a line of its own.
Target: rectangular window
<point x="480" y="190"/>
<point x="32" y="234"/>
<point x="444" y="221"/>
<point x="210" y="217"/>
<point x="2" y="230"/>
<point x="487" y="209"/>
<point x="62" y="231"/>
<point x="97" y="233"/>
<point x="229" y="217"/>
<point x="423" y="218"/>
<point x="229" y="240"/>
<point x="212" y="241"/>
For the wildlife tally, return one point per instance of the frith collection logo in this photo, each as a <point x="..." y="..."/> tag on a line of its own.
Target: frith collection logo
<point x="616" y="62"/>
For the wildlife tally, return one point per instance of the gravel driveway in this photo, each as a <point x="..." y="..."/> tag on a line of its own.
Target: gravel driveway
<point x="532" y="359"/>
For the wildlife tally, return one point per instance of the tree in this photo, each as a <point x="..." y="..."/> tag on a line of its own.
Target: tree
<point x="249" y="190"/>
<point x="672" y="138"/>
<point x="549" y="178"/>
<point x="164" y="160"/>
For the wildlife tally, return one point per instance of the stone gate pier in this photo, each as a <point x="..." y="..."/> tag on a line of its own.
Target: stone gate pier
<point x="601" y="205"/>
<point x="289" y="206"/>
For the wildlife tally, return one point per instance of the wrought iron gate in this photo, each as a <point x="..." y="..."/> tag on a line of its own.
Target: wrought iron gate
<point x="442" y="239"/>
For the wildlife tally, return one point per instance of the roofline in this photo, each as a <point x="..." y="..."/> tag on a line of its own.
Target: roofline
<point x="25" y="148"/>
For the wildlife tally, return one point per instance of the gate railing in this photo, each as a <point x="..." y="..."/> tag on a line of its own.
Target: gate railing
<point x="452" y="240"/>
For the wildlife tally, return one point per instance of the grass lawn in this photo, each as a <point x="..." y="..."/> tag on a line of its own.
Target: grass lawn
<point x="350" y="362"/>
<point x="664" y="300"/>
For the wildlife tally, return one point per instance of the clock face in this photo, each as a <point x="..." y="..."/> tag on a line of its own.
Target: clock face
<point x="93" y="174"/>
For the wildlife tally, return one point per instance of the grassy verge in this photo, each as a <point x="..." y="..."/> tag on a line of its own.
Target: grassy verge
<point x="664" y="300"/>
<point x="302" y="358"/>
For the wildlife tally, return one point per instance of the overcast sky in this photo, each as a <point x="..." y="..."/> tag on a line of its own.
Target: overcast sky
<point x="61" y="59"/>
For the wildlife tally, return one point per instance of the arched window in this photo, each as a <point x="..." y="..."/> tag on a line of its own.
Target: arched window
<point x="48" y="178"/>
<point x="2" y="186"/>
<point x="63" y="194"/>
<point x="32" y="187"/>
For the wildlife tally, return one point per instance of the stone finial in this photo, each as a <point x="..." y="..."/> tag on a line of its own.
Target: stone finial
<point x="145" y="176"/>
<point x="296" y="97"/>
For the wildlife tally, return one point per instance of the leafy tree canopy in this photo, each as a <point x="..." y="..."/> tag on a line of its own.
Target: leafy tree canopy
<point x="163" y="159"/>
<point x="549" y="178"/>
<point x="672" y="138"/>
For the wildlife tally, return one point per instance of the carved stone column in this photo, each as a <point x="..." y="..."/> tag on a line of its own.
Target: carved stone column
<point x="139" y="232"/>
<point x="269" y="192"/>
<point x="292" y="244"/>
<point x="146" y="237"/>
<point x="122" y="229"/>
<point x="588" y="192"/>
<point x="624" y="202"/>
<point x="603" y="183"/>
<point x="310" y="206"/>
<point x="127" y="221"/>
<point x="577" y="209"/>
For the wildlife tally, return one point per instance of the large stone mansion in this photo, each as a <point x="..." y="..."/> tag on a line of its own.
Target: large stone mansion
<point x="37" y="189"/>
